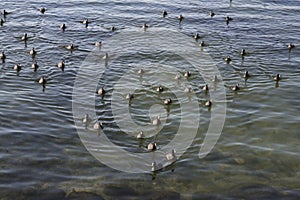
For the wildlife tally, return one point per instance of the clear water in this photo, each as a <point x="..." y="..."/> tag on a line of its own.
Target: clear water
<point x="257" y="155"/>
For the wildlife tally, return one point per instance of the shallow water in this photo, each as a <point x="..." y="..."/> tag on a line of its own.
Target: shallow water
<point x="257" y="154"/>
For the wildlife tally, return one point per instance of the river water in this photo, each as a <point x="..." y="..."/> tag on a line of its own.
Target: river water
<point x="42" y="156"/>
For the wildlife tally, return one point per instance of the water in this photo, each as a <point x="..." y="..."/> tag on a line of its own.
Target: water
<point x="257" y="154"/>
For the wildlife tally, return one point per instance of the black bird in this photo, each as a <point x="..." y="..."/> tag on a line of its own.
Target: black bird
<point x="159" y="89"/>
<point x="236" y="87"/>
<point x="17" y="67"/>
<point x="145" y="26"/>
<point x="2" y="56"/>
<point x="228" y="19"/>
<point x="43" y="81"/>
<point x="243" y="52"/>
<point x="208" y="103"/>
<point x="152" y="146"/>
<point x="61" y="65"/>
<point x="63" y="27"/>
<point x="42" y="10"/>
<point x="180" y="18"/>
<point x="277" y="77"/>
<point x="187" y="74"/>
<point x="24" y="37"/>
<point x="4" y="13"/>
<point x="32" y="52"/>
<point x="35" y="66"/>
<point x="164" y="13"/>
<point x="202" y="44"/>
<point x="291" y="46"/>
<point x="228" y="59"/>
<point x="86" y="22"/>
<point x="246" y="75"/>
<point x="101" y="91"/>
<point x="205" y="88"/>
<point x="167" y="101"/>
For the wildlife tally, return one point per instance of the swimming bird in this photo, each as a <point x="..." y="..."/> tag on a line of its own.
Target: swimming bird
<point x="202" y="44"/>
<point x="17" y="67"/>
<point x="187" y="74"/>
<point x="205" y="88"/>
<point x="228" y="59"/>
<point x="140" y="135"/>
<point x="141" y="71"/>
<point x="105" y="57"/>
<point x="70" y="47"/>
<point x="43" y="81"/>
<point x="155" y="167"/>
<point x="246" y="75"/>
<point x="24" y="37"/>
<point x="63" y="27"/>
<point x="4" y="13"/>
<point x="208" y="103"/>
<point x="277" y="77"/>
<point x="85" y="22"/>
<point x="188" y="90"/>
<point x="228" y="19"/>
<point x="61" y="65"/>
<point x="215" y="79"/>
<point x="42" y="10"/>
<point x="196" y="36"/>
<point x="32" y="52"/>
<point x="86" y="119"/>
<point x="1" y="22"/>
<point x="236" y="87"/>
<point x="171" y="156"/>
<point x="164" y="13"/>
<point x="35" y="66"/>
<point x="2" y="56"/>
<point x="101" y="91"/>
<point x="145" y="26"/>
<point x="211" y="13"/>
<point x="180" y="18"/>
<point x="152" y="146"/>
<point x="113" y="28"/>
<point x="156" y="121"/>
<point x="98" y="125"/>
<point x="159" y="89"/>
<point x="243" y="52"/>
<point x="178" y="77"/>
<point x="129" y="97"/>
<point x="291" y="46"/>
<point x="98" y="44"/>
<point x="168" y="101"/>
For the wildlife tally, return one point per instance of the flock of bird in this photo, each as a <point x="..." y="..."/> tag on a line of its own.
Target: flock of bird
<point x="156" y="121"/>
<point x="17" y="67"/>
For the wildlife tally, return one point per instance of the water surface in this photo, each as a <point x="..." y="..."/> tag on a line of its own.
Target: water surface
<point x="257" y="155"/>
